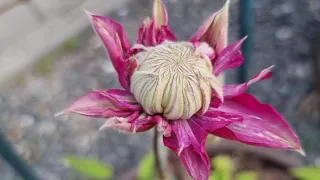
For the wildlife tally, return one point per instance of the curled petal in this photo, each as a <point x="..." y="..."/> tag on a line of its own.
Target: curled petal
<point x="233" y="90"/>
<point x="134" y="123"/>
<point x="214" y="30"/>
<point x="214" y="119"/>
<point x="217" y="93"/>
<point x="122" y="99"/>
<point x="116" y="43"/>
<point x="155" y="31"/>
<point x="107" y="28"/>
<point x="150" y="35"/>
<point x="146" y="34"/>
<point x="143" y="124"/>
<point x="262" y="125"/>
<point x="165" y="34"/>
<point x="163" y="126"/>
<point x="104" y="104"/>
<point x="187" y="140"/>
<point x="160" y="15"/>
<point x="204" y="49"/>
<point x="230" y="57"/>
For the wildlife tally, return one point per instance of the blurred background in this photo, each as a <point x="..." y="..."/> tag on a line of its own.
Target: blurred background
<point x="49" y="56"/>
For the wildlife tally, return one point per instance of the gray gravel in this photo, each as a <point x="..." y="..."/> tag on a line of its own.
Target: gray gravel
<point x="284" y="32"/>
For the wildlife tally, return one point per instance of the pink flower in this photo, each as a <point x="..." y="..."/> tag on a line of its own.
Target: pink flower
<point x="174" y="86"/>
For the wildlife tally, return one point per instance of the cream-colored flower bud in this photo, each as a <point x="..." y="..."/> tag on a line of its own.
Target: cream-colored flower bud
<point x="174" y="79"/>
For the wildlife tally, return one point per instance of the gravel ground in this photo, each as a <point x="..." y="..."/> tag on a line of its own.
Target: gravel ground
<point x="284" y="32"/>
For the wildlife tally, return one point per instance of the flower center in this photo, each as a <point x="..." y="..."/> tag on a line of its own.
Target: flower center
<point x="173" y="79"/>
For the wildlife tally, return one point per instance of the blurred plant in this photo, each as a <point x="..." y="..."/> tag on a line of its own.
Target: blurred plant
<point x="89" y="167"/>
<point x="72" y="44"/>
<point x="247" y="175"/>
<point x="146" y="167"/>
<point x="45" y="65"/>
<point x="306" y="173"/>
<point x="223" y="170"/>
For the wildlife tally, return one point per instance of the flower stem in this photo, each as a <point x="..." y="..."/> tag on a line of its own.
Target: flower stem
<point x="158" y="168"/>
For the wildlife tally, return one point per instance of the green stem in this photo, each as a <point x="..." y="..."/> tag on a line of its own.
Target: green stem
<point x="158" y="168"/>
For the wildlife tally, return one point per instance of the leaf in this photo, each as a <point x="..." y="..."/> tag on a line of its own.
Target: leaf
<point x="215" y="175"/>
<point x="247" y="175"/>
<point x="146" y="167"/>
<point x="89" y="167"/>
<point x="222" y="163"/>
<point x="223" y="168"/>
<point x="306" y="173"/>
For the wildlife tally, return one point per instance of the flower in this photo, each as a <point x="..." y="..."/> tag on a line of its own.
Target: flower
<point x="174" y="86"/>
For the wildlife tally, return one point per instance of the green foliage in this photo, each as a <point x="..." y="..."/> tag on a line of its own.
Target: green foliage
<point x="222" y="163"/>
<point x="223" y="168"/>
<point x="146" y="167"/>
<point x="71" y="44"/>
<point x="89" y="167"/>
<point x="306" y="173"/>
<point x="247" y="175"/>
<point x="44" y="65"/>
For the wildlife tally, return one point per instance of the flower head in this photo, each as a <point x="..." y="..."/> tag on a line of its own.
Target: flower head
<point x="173" y="85"/>
<point x="175" y="80"/>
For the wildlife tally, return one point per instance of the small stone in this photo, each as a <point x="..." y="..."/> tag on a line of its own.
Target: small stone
<point x="26" y="120"/>
<point x="314" y="5"/>
<point x="24" y="150"/>
<point x="284" y="33"/>
<point x="46" y="174"/>
<point x="317" y="161"/>
<point x="287" y="8"/>
<point x="46" y="127"/>
<point x="123" y="11"/>
<point x="16" y="134"/>
<point x="283" y="9"/>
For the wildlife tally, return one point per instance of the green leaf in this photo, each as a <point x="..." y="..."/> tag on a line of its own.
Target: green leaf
<point x="247" y="175"/>
<point x="223" y="168"/>
<point x="89" y="167"/>
<point x="146" y="167"/>
<point x="216" y="175"/>
<point x="222" y="163"/>
<point x="306" y="173"/>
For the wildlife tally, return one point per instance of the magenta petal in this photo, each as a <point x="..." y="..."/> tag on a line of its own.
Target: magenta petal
<point x="213" y="119"/>
<point x="122" y="99"/>
<point x="144" y="124"/>
<point x="150" y="35"/>
<point x="133" y="123"/>
<point x="230" y="57"/>
<point x="155" y="31"/>
<point x="104" y="104"/>
<point x="165" y="34"/>
<point x="205" y="49"/>
<point x="233" y="90"/>
<point x="187" y="140"/>
<point x="116" y="43"/>
<point x="147" y="33"/>
<point x="160" y="15"/>
<point x="214" y="30"/>
<point x="108" y="28"/>
<point x="262" y="125"/>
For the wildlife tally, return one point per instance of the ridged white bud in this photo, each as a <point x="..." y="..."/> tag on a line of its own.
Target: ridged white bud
<point x="174" y="79"/>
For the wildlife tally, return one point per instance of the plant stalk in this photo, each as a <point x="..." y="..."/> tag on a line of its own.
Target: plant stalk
<point x="158" y="168"/>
